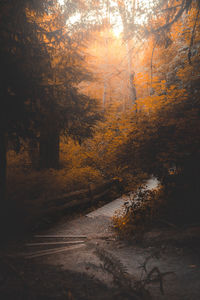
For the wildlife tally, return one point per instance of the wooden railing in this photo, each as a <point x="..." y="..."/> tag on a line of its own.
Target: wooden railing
<point x="71" y="202"/>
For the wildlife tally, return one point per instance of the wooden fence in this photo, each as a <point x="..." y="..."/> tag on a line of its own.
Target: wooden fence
<point x="54" y="208"/>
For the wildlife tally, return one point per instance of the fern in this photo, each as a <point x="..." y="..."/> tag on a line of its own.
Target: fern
<point x="121" y="278"/>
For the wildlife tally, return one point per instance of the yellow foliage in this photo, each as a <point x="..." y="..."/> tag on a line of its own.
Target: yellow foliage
<point x="136" y="216"/>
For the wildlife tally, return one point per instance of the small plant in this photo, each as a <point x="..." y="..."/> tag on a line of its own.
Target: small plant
<point x="153" y="275"/>
<point x="127" y="287"/>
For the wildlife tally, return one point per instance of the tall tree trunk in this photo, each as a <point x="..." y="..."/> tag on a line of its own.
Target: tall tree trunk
<point x="104" y="94"/>
<point x="3" y="164"/>
<point x="49" y="144"/>
<point x="133" y="95"/>
<point x="33" y="153"/>
<point x="123" y="15"/>
<point x="151" y="68"/>
<point x="106" y="76"/>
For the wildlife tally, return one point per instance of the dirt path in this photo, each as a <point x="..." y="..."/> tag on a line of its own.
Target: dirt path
<point x="175" y="254"/>
<point x="91" y="268"/>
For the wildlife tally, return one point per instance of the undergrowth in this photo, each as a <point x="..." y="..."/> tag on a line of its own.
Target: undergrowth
<point x="29" y="190"/>
<point x="122" y="280"/>
<point x="31" y="184"/>
<point x="139" y="212"/>
<point x="128" y="286"/>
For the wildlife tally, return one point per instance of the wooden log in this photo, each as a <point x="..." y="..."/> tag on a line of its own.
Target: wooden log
<point x="75" y="203"/>
<point x="60" y="200"/>
<point x="98" y="188"/>
<point x="61" y="236"/>
<point x="79" y="195"/>
<point x="54" y="251"/>
<point x="55" y="207"/>
<point x="98" y="196"/>
<point x="49" y="250"/>
<point x="55" y="243"/>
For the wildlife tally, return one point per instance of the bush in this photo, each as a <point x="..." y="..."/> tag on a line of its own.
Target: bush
<point x="142" y="210"/>
<point x="29" y="190"/>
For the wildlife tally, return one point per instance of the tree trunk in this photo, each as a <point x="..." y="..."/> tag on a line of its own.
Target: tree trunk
<point x="3" y="163"/>
<point x="49" y="144"/>
<point x="123" y="14"/>
<point x="33" y="152"/>
<point x="104" y="94"/>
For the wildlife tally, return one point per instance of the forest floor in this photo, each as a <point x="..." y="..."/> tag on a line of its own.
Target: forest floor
<point x="163" y="264"/>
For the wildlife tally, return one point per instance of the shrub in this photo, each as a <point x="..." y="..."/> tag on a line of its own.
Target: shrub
<point x="140" y="211"/>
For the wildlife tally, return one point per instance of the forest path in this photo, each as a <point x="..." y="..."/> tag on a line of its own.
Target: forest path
<point x="109" y="209"/>
<point x="172" y="253"/>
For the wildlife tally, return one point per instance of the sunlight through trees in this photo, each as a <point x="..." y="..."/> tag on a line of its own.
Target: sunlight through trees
<point x="116" y="81"/>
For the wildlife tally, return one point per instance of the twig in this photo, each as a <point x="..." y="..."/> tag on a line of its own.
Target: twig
<point x="144" y="264"/>
<point x="158" y="278"/>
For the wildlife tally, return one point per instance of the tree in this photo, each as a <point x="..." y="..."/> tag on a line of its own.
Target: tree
<point x="127" y="11"/>
<point x="164" y="141"/>
<point x="57" y="107"/>
<point x="106" y="60"/>
<point x="19" y="75"/>
<point x="40" y="64"/>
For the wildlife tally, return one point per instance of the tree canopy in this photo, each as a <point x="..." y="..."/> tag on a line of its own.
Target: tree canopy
<point x="119" y="77"/>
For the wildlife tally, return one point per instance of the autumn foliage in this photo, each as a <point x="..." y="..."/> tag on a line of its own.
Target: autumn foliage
<point x="81" y="104"/>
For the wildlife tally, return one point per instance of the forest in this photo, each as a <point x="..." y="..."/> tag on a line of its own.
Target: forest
<point x="97" y="99"/>
<point x="96" y="91"/>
